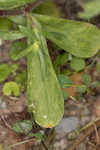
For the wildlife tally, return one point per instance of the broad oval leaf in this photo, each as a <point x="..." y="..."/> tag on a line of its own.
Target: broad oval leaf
<point x="11" y="4"/>
<point x="78" y="38"/>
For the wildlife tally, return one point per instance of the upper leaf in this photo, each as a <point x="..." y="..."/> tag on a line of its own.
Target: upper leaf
<point x="11" y="4"/>
<point x="78" y="38"/>
<point x="91" y="9"/>
<point x="48" y="7"/>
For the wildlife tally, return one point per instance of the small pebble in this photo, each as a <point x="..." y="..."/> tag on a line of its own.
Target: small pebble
<point x="67" y="125"/>
<point x="4" y="105"/>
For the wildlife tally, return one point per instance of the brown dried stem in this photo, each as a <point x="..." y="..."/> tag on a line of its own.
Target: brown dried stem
<point x="86" y="132"/>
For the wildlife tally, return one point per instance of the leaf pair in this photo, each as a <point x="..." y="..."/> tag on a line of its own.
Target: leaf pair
<point x="78" y="38"/>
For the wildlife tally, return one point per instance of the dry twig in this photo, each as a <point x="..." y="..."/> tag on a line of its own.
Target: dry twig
<point x="86" y="132"/>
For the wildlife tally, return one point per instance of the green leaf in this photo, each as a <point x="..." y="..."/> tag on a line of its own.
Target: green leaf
<point x="5" y="24"/>
<point x="11" y="4"/>
<point x="19" y="20"/>
<point x="39" y="136"/>
<point x="11" y="35"/>
<point x="61" y="59"/>
<point x="21" y="79"/>
<point x="43" y="91"/>
<point x="14" y="67"/>
<point x="77" y="64"/>
<point x="86" y="79"/>
<point x="5" y="71"/>
<point x="49" y="8"/>
<point x="91" y="9"/>
<point x="78" y="38"/>
<point x="95" y="84"/>
<point x="24" y="126"/>
<point x="65" y="94"/>
<point x="11" y="87"/>
<point x="17" y="49"/>
<point x="65" y="81"/>
<point x="81" y="89"/>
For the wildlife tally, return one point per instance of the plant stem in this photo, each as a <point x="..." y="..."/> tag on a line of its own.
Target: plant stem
<point x="19" y="143"/>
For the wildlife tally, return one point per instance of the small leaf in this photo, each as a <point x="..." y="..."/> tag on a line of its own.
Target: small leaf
<point x="21" y="79"/>
<point x="39" y="136"/>
<point x="20" y="20"/>
<point x="95" y="84"/>
<point x="86" y="79"/>
<point x="24" y="126"/>
<point x="12" y="4"/>
<point x="48" y="7"/>
<point x="5" y="71"/>
<point x="65" y="94"/>
<point x="77" y="64"/>
<point x="17" y="48"/>
<point x="11" y="35"/>
<point x="14" y="67"/>
<point x="81" y="89"/>
<point x="61" y="59"/>
<point x="91" y="9"/>
<point x="65" y="81"/>
<point x="10" y="88"/>
<point x="81" y="39"/>
<point x="5" y="24"/>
